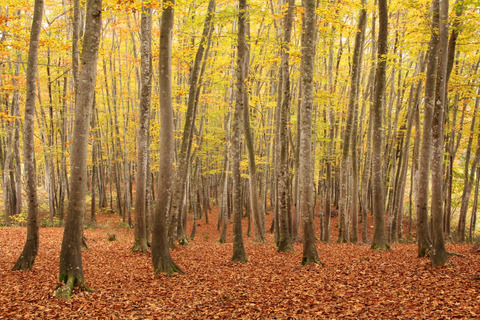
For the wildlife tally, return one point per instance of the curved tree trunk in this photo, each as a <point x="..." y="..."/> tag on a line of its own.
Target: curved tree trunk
<point x="71" y="268"/>
<point x="179" y="185"/>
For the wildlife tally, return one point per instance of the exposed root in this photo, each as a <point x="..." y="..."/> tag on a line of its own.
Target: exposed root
<point x="169" y="268"/>
<point x="309" y="260"/>
<point x="455" y="254"/>
<point x="65" y="290"/>
<point x="23" y="263"/>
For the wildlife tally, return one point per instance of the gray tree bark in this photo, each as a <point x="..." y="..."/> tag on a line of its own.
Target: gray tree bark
<point x="378" y="195"/>
<point x="29" y="252"/>
<point x="161" y="259"/>
<point x="140" y="242"/>
<point x="310" y="254"/>
<point x="238" y="247"/>
<point x="71" y="268"/>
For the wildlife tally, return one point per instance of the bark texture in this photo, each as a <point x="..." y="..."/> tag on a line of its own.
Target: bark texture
<point x="161" y="258"/>
<point x="310" y="254"/>
<point x="29" y="253"/>
<point x="71" y="268"/>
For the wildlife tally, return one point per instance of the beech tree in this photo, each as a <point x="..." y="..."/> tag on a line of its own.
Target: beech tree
<point x="27" y="257"/>
<point x="378" y="200"/>
<point x="143" y="131"/>
<point x="71" y="268"/>
<point x="161" y="258"/>
<point x="310" y="254"/>
<point x="238" y="247"/>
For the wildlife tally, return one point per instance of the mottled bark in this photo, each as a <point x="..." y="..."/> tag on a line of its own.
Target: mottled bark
<point x="310" y="254"/>
<point x="29" y="253"/>
<point x="378" y="195"/>
<point x="71" y="268"/>
<point x="140" y="242"/>
<point x="238" y="247"/>
<point x="439" y="255"/>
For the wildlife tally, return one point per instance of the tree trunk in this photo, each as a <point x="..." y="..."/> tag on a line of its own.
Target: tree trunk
<point x="238" y="247"/>
<point x="378" y="205"/>
<point x="29" y="253"/>
<point x="140" y="243"/>
<point x="310" y="254"/>
<point x="71" y="268"/>
<point x="424" y="241"/>
<point x="284" y="242"/>
<point x="161" y="258"/>
<point x="185" y="149"/>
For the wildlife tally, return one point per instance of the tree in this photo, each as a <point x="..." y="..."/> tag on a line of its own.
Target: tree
<point x="179" y="185"/>
<point x="161" y="258"/>
<point x="284" y="241"/>
<point x="424" y="240"/>
<point x="238" y="247"/>
<point x="143" y="130"/>
<point x="310" y="254"/>
<point x="29" y="253"/>
<point x="71" y="268"/>
<point x="349" y="141"/>
<point x="378" y="201"/>
<point x="439" y="255"/>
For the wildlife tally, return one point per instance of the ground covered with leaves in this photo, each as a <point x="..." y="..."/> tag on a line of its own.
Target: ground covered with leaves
<point x="353" y="281"/>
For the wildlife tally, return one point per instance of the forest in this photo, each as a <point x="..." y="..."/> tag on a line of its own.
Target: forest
<point x="239" y="158"/>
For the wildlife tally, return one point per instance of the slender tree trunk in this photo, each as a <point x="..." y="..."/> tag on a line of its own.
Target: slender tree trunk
<point x="29" y="252"/>
<point x="284" y="241"/>
<point x="238" y="247"/>
<point x="378" y="195"/>
<point x="185" y="149"/>
<point x="71" y="268"/>
<point x="424" y="240"/>
<point x="310" y="254"/>
<point x="439" y="255"/>
<point x="140" y="242"/>
<point x="161" y="258"/>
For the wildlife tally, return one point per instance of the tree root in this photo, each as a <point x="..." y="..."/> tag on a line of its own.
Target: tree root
<point x="23" y="263"/>
<point x="168" y="267"/>
<point x="455" y="254"/>
<point x="65" y="290"/>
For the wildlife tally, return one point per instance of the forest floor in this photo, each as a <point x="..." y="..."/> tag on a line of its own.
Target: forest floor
<point x="353" y="282"/>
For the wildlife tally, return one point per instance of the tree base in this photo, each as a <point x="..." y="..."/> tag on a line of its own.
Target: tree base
<point x="169" y="267"/>
<point x="309" y="260"/>
<point x="239" y="258"/>
<point x="140" y="247"/>
<point x="65" y="290"/>
<point x="23" y="263"/>
<point x="380" y="247"/>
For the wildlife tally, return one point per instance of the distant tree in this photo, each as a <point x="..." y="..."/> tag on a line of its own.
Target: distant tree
<point x="71" y="268"/>
<point x="29" y="253"/>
